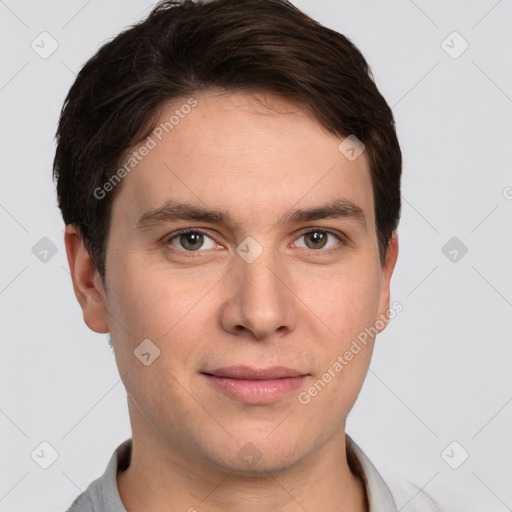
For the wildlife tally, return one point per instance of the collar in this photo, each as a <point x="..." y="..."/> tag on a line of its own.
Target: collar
<point x="378" y="494"/>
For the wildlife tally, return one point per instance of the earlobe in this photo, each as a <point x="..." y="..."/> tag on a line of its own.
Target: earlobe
<point x="86" y="281"/>
<point x="387" y="272"/>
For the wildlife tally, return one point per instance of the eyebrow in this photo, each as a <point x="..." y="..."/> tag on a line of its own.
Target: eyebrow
<point x="173" y="211"/>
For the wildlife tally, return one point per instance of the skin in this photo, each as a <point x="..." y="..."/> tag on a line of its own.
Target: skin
<point x="293" y="306"/>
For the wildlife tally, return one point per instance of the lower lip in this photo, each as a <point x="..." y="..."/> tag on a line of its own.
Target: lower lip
<point x="256" y="391"/>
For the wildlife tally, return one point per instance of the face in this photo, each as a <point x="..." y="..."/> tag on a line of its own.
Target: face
<point x="280" y="268"/>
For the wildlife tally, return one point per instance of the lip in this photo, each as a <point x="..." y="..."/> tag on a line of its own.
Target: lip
<point x="248" y="373"/>
<point x="253" y="385"/>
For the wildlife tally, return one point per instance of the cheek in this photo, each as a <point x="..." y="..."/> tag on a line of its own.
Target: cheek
<point x="348" y="306"/>
<point x="151" y="301"/>
<point x="347" y="301"/>
<point x="162" y="306"/>
<point x="147" y="305"/>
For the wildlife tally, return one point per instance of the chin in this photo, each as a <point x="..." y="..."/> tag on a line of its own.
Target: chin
<point x="259" y="458"/>
<point x="262" y="469"/>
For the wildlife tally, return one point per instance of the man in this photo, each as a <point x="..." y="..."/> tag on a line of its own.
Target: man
<point x="229" y="176"/>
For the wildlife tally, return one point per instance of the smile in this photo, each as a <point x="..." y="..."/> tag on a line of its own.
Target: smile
<point x="255" y="386"/>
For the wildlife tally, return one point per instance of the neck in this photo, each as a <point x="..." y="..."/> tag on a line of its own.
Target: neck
<point x="163" y="477"/>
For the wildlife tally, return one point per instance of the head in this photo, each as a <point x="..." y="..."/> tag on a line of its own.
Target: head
<point x="231" y="119"/>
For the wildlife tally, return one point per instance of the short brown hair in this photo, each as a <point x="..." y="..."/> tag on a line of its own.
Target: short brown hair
<point x="184" y="47"/>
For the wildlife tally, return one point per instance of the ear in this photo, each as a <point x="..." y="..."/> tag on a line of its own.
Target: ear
<point x="387" y="272"/>
<point x="86" y="281"/>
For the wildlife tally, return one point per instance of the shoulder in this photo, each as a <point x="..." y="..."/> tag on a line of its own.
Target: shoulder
<point x="102" y="494"/>
<point x="83" y="503"/>
<point x="91" y="500"/>
<point x="408" y="496"/>
<point x="388" y="491"/>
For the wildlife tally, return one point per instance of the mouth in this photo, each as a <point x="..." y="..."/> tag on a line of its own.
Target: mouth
<point x="255" y="386"/>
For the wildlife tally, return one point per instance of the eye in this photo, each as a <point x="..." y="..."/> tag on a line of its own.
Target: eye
<point x="191" y="240"/>
<point x="318" y="239"/>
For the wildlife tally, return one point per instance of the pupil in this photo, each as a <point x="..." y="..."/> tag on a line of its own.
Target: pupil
<point x="191" y="240"/>
<point x="317" y="238"/>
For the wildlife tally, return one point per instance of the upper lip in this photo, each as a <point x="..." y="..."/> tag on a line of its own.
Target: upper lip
<point x="248" y="373"/>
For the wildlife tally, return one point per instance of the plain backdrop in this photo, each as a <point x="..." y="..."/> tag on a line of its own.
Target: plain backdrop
<point x="439" y="387"/>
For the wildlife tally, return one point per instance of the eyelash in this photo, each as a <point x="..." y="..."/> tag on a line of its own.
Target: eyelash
<point x="194" y="254"/>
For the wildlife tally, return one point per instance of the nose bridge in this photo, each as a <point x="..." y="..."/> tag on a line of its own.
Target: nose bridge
<point x="259" y="278"/>
<point x="262" y="303"/>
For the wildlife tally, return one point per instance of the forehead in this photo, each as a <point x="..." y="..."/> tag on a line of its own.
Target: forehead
<point x="256" y="156"/>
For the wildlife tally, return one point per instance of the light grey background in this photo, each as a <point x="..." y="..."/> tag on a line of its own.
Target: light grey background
<point x="440" y="372"/>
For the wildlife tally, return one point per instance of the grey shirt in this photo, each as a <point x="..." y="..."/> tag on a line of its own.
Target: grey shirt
<point x="102" y="495"/>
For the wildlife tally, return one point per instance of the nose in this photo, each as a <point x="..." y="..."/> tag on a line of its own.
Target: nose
<point x="260" y="302"/>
